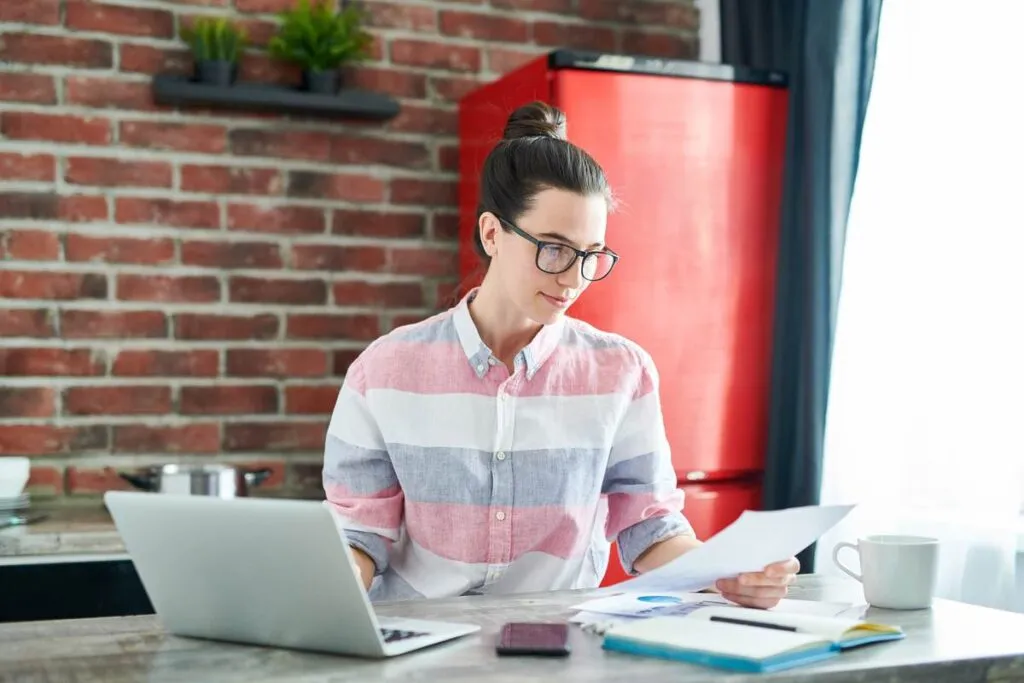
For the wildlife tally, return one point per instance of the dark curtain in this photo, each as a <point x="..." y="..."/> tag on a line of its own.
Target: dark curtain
<point x="827" y="47"/>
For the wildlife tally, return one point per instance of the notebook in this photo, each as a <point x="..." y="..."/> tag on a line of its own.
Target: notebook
<point x="747" y="640"/>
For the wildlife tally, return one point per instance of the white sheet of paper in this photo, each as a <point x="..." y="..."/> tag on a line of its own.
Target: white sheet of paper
<point x="756" y="539"/>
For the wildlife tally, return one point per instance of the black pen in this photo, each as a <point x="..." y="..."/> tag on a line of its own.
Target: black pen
<point x="744" y="622"/>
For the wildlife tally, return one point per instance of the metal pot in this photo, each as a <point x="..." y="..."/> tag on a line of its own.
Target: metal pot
<point x="222" y="481"/>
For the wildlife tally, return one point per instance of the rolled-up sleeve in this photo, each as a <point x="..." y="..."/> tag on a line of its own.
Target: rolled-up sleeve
<point x="644" y="503"/>
<point x="359" y="482"/>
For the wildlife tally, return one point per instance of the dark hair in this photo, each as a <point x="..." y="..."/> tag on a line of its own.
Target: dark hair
<point x="534" y="155"/>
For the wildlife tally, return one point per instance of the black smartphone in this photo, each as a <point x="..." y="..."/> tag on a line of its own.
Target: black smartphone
<point x="534" y="638"/>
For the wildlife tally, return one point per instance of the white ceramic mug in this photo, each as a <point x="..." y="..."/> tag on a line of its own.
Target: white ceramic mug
<point x="898" y="572"/>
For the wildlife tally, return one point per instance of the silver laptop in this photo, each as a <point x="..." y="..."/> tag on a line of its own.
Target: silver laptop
<point x="260" y="571"/>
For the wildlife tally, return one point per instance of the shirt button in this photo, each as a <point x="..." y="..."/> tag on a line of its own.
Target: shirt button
<point x="500" y="455"/>
<point x="500" y="516"/>
<point x="481" y="367"/>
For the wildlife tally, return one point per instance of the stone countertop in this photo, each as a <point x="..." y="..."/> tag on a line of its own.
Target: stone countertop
<point x="68" y="529"/>
<point x="951" y="642"/>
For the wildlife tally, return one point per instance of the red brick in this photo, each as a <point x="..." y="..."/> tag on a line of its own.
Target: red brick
<point x="377" y="224"/>
<point x="30" y="11"/>
<point x="167" y="212"/>
<point x="338" y="258"/>
<point x="554" y="6"/>
<point x="108" y="93"/>
<point x="435" y="55"/>
<point x="403" y="320"/>
<point x="51" y="362"/>
<point x="286" y="363"/>
<point x="226" y="180"/>
<point x="43" y="284"/>
<point x="38" y="167"/>
<point x="305" y="400"/>
<point x="150" y="251"/>
<point x="222" y="399"/>
<point x="425" y="261"/>
<point x="353" y="187"/>
<point x="391" y="81"/>
<point x="401" y="15"/>
<point x="347" y="149"/>
<point x="184" y="137"/>
<point x="281" y="144"/>
<point x="276" y="219"/>
<point x="187" y="438"/>
<point x="32" y="48"/>
<point x="668" y="15"/>
<point x="579" y="36"/>
<point x="149" y="363"/>
<point x="427" y="192"/>
<point x="318" y="326"/>
<point x="262" y="290"/>
<point x="201" y="3"/>
<point x="113" y="324"/>
<point x="117" y="400"/>
<point x="33" y="205"/>
<point x="448" y="157"/>
<point x="45" y="481"/>
<point x="446" y="226"/>
<point x="88" y="15"/>
<point x="56" y="128"/>
<point x="260" y="66"/>
<point x="447" y="294"/>
<point x="210" y="326"/>
<point x="387" y="294"/>
<point x="231" y="254"/>
<point x="166" y="288"/>
<point x="25" y="322"/>
<point x="83" y="209"/>
<point x="95" y="480"/>
<point x="453" y="88"/>
<point x="117" y="173"/>
<point x="19" y="87"/>
<point x="274" y="436"/>
<point x="483" y="27"/>
<point x="30" y="245"/>
<point x="51" y="440"/>
<point x="666" y="45"/>
<point x="152" y="60"/>
<point x="263" y="6"/>
<point x="501" y="60"/>
<point x="27" y="402"/>
<point x="342" y="359"/>
<point x="260" y="32"/>
<point x="424" y="119"/>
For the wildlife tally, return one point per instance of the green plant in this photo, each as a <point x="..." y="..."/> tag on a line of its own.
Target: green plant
<point x="214" y="39"/>
<point x="317" y="38"/>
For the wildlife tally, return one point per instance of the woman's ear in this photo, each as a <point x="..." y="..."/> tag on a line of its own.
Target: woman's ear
<point x="489" y="227"/>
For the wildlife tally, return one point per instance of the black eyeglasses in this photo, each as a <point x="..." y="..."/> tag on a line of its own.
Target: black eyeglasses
<point x="555" y="257"/>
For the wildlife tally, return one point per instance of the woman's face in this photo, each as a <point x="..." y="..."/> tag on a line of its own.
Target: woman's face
<point x="556" y="216"/>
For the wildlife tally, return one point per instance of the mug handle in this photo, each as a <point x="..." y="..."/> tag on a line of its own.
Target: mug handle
<point x="835" y="558"/>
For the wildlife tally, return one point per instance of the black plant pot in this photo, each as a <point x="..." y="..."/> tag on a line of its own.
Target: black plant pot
<point x="321" y="82"/>
<point x="217" y="72"/>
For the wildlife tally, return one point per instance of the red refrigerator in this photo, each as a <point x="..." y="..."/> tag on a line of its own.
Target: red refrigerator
<point x="694" y="153"/>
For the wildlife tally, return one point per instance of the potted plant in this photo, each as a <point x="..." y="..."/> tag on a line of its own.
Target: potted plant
<point x="216" y="45"/>
<point x="319" y="40"/>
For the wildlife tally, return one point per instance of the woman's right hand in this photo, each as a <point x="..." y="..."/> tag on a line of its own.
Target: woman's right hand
<point x="365" y="564"/>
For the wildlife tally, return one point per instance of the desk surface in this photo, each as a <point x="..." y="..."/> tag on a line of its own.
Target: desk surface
<point x="951" y="642"/>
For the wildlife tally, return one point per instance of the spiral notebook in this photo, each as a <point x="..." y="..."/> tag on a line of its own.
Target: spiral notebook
<point x="748" y="640"/>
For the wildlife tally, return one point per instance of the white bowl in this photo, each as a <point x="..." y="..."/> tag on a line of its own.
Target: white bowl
<point x="13" y="476"/>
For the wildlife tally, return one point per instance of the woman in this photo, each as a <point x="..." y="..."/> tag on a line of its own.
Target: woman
<point x="494" y="447"/>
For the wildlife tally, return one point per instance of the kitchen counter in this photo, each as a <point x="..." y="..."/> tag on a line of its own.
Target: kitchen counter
<point x="69" y="529"/>
<point x="951" y="642"/>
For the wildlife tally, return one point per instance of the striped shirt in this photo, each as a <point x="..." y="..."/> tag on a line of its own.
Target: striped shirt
<point x="457" y="476"/>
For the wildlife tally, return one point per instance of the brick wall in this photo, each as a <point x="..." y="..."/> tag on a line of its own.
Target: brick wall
<point x="191" y="285"/>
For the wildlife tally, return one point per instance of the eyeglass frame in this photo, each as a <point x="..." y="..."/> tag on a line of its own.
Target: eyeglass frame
<point x="578" y="253"/>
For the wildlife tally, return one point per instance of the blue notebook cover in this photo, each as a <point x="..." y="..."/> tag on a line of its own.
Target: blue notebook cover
<point x="767" y="665"/>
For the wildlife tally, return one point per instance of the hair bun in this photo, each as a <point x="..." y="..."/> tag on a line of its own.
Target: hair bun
<point x="536" y="119"/>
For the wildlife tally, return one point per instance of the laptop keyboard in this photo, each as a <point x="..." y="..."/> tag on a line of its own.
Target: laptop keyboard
<point x="393" y="635"/>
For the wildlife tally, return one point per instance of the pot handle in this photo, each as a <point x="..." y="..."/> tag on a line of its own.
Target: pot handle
<point x="139" y="481"/>
<point x="257" y="477"/>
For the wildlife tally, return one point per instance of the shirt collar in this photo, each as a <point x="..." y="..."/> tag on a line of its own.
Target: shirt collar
<point x="480" y="356"/>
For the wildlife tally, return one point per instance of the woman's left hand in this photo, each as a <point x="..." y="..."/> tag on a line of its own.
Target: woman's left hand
<point x="763" y="589"/>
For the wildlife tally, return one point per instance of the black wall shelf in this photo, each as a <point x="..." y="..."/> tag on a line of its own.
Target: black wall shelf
<point x="261" y="97"/>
